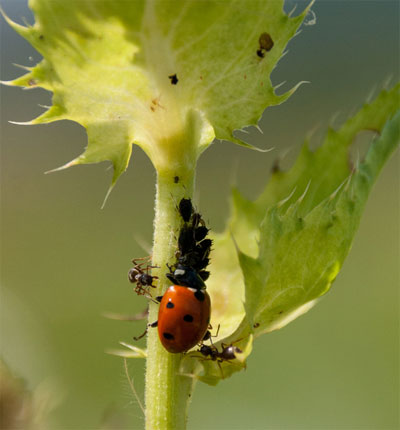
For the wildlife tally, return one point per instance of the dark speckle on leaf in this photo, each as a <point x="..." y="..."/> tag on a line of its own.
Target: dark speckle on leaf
<point x="176" y="179"/>
<point x="32" y="82"/>
<point x="174" y="79"/>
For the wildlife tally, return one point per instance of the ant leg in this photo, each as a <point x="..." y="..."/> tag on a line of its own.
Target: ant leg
<point x="209" y="336"/>
<point x="148" y="296"/>
<point x="141" y="258"/>
<point x="220" y="368"/>
<point x="216" y="334"/>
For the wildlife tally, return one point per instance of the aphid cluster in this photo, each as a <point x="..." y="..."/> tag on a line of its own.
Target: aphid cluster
<point x="193" y="249"/>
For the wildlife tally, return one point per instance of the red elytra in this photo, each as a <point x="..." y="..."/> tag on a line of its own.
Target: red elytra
<point x="183" y="318"/>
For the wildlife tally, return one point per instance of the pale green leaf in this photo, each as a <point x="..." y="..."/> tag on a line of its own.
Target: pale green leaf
<point x="282" y="252"/>
<point x="109" y="65"/>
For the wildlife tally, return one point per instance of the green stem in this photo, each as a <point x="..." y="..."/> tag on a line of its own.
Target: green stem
<point x="167" y="393"/>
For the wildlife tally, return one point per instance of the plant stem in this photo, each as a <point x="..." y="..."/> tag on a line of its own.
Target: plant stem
<point x="167" y="393"/>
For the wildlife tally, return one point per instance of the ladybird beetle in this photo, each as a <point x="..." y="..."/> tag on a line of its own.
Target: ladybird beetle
<point x="183" y="318"/>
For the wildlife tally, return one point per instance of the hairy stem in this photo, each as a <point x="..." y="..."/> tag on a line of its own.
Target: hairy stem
<point x="167" y="393"/>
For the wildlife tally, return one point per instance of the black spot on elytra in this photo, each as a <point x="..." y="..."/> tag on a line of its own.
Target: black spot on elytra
<point x="170" y="305"/>
<point x="168" y="336"/>
<point x="199" y="295"/>
<point x="188" y="318"/>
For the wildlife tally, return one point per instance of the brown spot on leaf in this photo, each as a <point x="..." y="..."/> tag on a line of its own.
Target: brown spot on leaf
<point x="266" y="42"/>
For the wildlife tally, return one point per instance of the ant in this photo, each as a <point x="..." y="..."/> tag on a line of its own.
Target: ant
<point x="228" y="352"/>
<point x="140" y="276"/>
<point x="210" y="352"/>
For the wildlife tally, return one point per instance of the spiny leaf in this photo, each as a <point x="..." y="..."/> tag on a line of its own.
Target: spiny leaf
<point x="292" y="241"/>
<point x="133" y="351"/>
<point x="167" y="76"/>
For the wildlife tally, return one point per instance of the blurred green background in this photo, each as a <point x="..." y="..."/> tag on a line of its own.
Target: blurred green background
<point x="64" y="261"/>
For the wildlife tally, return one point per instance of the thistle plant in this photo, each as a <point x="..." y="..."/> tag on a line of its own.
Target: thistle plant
<point x="173" y="78"/>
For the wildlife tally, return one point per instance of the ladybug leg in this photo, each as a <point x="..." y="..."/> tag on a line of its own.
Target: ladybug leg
<point x="154" y="324"/>
<point x="159" y="298"/>
<point x="142" y="335"/>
